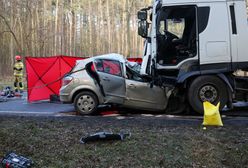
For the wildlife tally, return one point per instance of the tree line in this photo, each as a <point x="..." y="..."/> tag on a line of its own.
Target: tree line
<point x="41" y="28"/>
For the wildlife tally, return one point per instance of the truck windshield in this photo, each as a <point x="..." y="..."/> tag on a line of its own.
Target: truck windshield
<point x="176" y="34"/>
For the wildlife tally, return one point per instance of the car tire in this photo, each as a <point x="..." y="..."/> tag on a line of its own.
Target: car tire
<point x="86" y="103"/>
<point x="207" y="88"/>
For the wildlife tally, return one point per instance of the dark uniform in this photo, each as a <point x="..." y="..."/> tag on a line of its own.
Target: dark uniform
<point x="18" y="73"/>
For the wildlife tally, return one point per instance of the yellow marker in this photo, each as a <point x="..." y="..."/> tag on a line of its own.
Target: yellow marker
<point x="212" y="115"/>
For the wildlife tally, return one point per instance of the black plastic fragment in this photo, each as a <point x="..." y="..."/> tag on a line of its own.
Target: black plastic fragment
<point x="104" y="136"/>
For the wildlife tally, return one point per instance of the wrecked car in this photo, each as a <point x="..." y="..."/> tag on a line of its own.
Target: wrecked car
<point x="110" y="80"/>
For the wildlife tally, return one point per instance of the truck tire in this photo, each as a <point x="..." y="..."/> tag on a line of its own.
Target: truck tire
<point x="86" y="103"/>
<point x="207" y="88"/>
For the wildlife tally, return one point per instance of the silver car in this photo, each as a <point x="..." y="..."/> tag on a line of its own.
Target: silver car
<point x="110" y="79"/>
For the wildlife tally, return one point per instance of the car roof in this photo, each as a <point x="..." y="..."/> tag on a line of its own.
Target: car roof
<point x="112" y="56"/>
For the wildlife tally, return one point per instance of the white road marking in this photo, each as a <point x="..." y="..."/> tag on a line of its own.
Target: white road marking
<point x="21" y="112"/>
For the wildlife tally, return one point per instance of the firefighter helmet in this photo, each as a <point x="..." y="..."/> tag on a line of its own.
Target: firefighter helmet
<point x="18" y="57"/>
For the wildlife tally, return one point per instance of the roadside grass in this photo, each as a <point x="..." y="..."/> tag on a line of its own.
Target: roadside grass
<point x="54" y="142"/>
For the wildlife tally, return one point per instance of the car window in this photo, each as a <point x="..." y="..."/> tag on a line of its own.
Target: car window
<point x="108" y="66"/>
<point x="132" y="75"/>
<point x="134" y="66"/>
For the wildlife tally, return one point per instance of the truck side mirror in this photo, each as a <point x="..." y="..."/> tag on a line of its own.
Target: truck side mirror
<point x="142" y="15"/>
<point x="143" y="28"/>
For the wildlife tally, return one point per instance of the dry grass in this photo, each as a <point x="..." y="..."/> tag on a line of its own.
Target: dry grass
<point x="54" y="142"/>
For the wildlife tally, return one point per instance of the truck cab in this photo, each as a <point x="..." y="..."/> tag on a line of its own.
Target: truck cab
<point x="196" y="46"/>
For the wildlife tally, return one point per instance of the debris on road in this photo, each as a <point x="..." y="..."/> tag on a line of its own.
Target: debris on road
<point x="104" y="136"/>
<point x="8" y="92"/>
<point x="12" y="160"/>
<point x="54" y="98"/>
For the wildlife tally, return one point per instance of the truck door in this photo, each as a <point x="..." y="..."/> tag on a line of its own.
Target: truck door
<point x="214" y="36"/>
<point x="111" y="80"/>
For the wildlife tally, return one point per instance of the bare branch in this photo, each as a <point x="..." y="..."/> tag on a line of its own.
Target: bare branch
<point x="10" y="31"/>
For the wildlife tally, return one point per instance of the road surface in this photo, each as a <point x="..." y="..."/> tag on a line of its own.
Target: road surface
<point x="20" y="107"/>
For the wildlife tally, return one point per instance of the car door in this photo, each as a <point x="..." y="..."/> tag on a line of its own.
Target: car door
<point x="140" y="95"/>
<point x="111" y="80"/>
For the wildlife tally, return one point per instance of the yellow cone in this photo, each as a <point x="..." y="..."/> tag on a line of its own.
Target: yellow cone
<point x="212" y="115"/>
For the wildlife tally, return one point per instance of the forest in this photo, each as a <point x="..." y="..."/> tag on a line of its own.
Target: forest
<point x="84" y="28"/>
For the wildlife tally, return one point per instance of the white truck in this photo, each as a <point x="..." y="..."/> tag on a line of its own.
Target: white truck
<point x="195" y="46"/>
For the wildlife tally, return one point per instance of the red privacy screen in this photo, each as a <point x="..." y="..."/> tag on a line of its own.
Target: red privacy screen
<point x="44" y="75"/>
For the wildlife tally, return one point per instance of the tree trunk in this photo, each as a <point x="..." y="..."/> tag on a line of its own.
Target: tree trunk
<point x="128" y="29"/>
<point x="56" y="27"/>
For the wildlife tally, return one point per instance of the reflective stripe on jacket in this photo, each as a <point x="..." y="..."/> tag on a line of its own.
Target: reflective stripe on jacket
<point x="18" y="69"/>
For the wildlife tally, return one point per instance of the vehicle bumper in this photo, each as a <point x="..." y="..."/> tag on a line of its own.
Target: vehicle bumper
<point x="65" y="98"/>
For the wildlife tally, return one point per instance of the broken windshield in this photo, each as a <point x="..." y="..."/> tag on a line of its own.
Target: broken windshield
<point x="134" y="66"/>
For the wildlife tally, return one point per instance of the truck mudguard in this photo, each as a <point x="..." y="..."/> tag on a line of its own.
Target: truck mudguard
<point x="183" y="78"/>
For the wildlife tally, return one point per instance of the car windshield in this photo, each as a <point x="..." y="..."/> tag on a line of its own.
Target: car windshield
<point x="134" y="66"/>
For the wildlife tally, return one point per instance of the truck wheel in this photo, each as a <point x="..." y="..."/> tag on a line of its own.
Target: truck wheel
<point x="207" y="88"/>
<point x="86" y="103"/>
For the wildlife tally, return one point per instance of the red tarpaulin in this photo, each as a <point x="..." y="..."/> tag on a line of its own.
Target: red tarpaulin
<point x="139" y="60"/>
<point x="44" y="74"/>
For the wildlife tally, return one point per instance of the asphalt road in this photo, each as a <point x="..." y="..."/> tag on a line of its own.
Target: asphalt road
<point x="19" y="106"/>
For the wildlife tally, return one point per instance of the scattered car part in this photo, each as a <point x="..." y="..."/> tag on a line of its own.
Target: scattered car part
<point x="103" y="136"/>
<point x="12" y="160"/>
<point x="8" y="92"/>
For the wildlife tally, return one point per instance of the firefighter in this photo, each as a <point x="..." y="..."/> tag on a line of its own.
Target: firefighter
<point x="18" y="73"/>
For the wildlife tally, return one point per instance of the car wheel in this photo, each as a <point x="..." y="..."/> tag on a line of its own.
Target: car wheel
<point x="207" y="88"/>
<point x="86" y="103"/>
